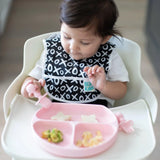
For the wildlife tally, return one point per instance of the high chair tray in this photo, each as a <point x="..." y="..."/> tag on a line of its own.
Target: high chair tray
<point x="18" y="142"/>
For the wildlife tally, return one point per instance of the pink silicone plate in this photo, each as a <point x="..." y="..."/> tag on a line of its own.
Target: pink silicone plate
<point x="73" y="129"/>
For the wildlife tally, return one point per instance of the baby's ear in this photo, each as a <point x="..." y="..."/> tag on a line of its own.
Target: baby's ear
<point x="106" y="39"/>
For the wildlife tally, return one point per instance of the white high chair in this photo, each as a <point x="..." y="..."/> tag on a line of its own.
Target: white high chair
<point x="139" y="105"/>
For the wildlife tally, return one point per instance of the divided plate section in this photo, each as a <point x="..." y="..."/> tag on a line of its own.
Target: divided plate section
<point x="65" y="128"/>
<point x="102" y="114"/>
<point x="108" y="131"/>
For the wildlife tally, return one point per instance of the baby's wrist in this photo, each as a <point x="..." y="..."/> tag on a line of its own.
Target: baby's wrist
<point x="103" y="87"/>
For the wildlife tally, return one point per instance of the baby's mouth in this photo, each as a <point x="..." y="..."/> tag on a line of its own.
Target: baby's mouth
<point x="76" y="57"/>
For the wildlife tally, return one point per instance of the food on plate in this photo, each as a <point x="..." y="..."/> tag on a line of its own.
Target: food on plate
<point x="61" y="117"/>
<point x="88" y="140"/>
<point x="53" y="135"/>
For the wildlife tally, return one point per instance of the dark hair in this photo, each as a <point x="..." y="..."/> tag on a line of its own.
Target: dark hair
<point x="85" y="13"/>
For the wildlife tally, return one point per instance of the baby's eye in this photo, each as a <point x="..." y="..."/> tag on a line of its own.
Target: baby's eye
<point x="66" y="37"/>
<point x="85" y="43"/>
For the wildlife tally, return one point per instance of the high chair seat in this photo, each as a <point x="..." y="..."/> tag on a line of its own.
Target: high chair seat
<point x="139" y="104"/>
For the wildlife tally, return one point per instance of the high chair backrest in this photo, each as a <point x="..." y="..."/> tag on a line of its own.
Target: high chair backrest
<point x="130" y="53"/>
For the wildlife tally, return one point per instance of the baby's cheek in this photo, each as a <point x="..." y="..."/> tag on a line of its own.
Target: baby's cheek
<point x="66" y="49"/>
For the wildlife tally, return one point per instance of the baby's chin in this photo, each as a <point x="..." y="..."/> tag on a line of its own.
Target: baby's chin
<point x="77" y="58"/>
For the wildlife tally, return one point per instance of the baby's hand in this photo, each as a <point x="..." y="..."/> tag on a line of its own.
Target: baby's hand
<point x="37" y="83"/>
<point x="96" y="75"/>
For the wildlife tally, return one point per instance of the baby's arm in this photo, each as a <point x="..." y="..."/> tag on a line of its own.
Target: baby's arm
<point x="114" y="90"/>
<point x="30" y="80"/>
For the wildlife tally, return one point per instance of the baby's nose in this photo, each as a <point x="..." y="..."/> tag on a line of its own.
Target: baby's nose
<point x="73" y="47"/>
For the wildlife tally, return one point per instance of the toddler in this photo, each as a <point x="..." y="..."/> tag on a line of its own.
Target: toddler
<point x="80" y="64"/>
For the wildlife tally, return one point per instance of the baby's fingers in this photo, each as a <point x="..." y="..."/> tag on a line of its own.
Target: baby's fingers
<point x="100" y="69"/>
<point x="94" y="69"/>
<point x="86" y="69"/>
<point x="90" y="70"/>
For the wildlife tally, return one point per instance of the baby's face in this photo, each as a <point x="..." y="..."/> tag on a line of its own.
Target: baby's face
<point x="80" y="43"/>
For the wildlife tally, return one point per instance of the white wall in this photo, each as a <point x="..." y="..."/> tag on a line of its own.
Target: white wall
<point x="4" y="11"/>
